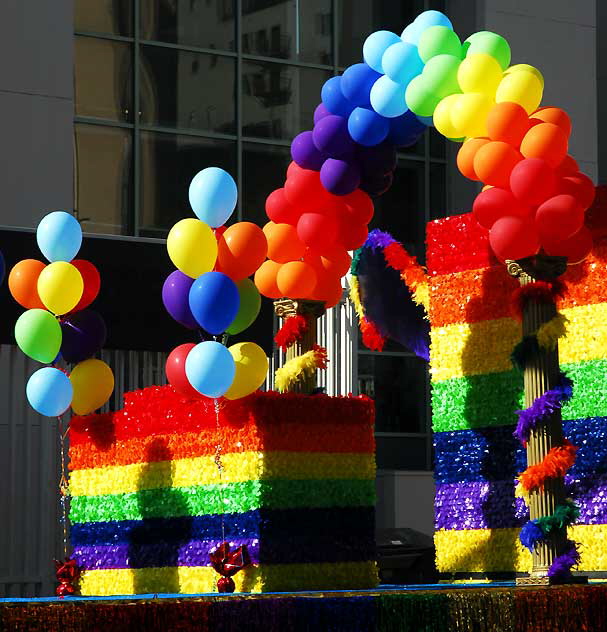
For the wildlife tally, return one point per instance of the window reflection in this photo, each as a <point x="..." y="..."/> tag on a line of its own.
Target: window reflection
<point x="103" y="178"/>
<point x="104" y="16"/>
<point x="168" y="164"/>
<point x="187" y="90"/>
<point x="279" y="100"/>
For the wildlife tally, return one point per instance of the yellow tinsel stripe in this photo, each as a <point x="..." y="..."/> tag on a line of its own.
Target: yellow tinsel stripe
<point x="355" y="297"/>
<point x="491" y="550"/>
<point x="238" y="467"/>
<point x="549" y="333"/>
<point x="299" y="368"/>
<point x="421" y="295"/>
<point x="586" y="334"/>
<point x="190" y="580"/>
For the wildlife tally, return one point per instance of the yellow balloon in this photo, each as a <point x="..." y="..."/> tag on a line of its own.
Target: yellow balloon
<point x="442" y="117"/>
<point x="532" y="69"/>
<point x="93" y="383"/>
<point x="251" y="369"/>
<point x="479" y="72"/>
<point x="522" y="87"/>
<point x="60" y="287"/>
<point x="469" y="114"/>
<point x="192" y="247"/>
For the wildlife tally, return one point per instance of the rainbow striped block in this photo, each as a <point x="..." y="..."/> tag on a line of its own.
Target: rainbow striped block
<point x="297" y="487"/>
<point x="475" y="393"/>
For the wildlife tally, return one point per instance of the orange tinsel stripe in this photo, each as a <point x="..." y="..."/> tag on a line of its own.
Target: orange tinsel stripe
<point x="558" y="460"/>
<point x="287" y="438"/>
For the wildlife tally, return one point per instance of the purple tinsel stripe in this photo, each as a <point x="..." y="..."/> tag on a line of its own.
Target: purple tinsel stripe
<point x="378" y="239"/>
<point x="194" y="553"/>
<point x="562" y="565"/>
<point x="543" y="406"/>
<point x="491" y="505"/>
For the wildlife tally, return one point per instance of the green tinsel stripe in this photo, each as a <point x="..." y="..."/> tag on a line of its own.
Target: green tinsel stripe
<point x="233" y="498"/>
<point x="478" y="401"/>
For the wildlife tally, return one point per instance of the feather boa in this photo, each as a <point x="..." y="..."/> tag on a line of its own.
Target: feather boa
<point x="562" y="565"/>
<point x="549" y="333"/>
<point x="534" y="531"/>
<point x="558" y="460"/>
<point x="292" y="330"/>
<point x="300" y="368"/>
<point x="539" y="291"/>
<point x="372" y="338"/>
<point x="526" y="349"/>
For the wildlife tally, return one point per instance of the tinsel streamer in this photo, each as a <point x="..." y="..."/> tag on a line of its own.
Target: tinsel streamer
<point x="554" y="465"/>
<point x="372" y="338"/>
<point x="300" y="368"/>
<point x="355" y="297"/>
<point x="292" y="330"/>
<point x="524" y="351"/>
<point x="542" y="407"/>
<point x="563" y="563"/>
<point x="549" y="333"/>
<point x="538" y="291"/>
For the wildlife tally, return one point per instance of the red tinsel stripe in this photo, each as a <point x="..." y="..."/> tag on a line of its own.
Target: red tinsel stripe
<point x="372" y="339"/>
<point x="292" y="330"/>
<point x="538" y="291"/>
<point x="554" y="465"/>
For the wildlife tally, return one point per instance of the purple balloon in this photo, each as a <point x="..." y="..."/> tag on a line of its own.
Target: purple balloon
<point x="331" y="136"/>
<point x="320" y="112"/>
<point x="377" y="160"/>
<point x="84" y="333"/>
<point x="356" y="84"/>
<point x="305" y="153"/>
<point x="377" y="185"/>
<point x="175" y="296"/>
<point x="340" y="177"/>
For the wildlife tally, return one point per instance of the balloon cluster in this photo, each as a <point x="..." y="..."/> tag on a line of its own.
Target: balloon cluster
<point x="58" y="323"/>
<point x="210" y="292"/>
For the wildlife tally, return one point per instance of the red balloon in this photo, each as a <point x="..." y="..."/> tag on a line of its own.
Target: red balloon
<point x="279" y="210"/>
<point x="576" y="248"/>
<point x="494" y="161"/>
<point x="304" y="190"/>
<point x="352" y="235"/>
<point x="567" y="167"/>
<point x="175" y="371"/>
<point x="92" y="282"/>
<point x="293" y="169"/>
<point x="532" y="181"/>
<point x="318" y="231"/>
<point x="559" y="217"/>
<point x="360" y="205"/>
<point x="580" y="186"/>
<point x="514" y="238"/>
<point x="494" y="203"/>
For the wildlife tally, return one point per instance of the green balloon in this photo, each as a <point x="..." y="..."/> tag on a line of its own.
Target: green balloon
<point x="490" y="44"/>
<point x="440" y="75"/>
<point x="439" y="40"/>
<point x="250" y="304"/>
<point x="38" y="335"/>
<point x="420" y="99"/>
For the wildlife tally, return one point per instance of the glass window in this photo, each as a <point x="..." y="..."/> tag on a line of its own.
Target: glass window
<point x="438" y="143"/>
<point x="288" y="29"/>
<point x="398" y="385"/>
<point x="185" y="90"/>
<point x="104" y="79"/>
<point x="168" y="164"/>
<point x="279" y="100"/>
<point x="263" y="170"/>
<point x="189" y="22"/>
<point x="438" y="193"/>
<point x="104" y="16"/>
<point x="103" y="178"/>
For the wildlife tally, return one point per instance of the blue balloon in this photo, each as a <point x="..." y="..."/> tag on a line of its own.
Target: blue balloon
<point x="214" y="301"/>
<point x="210" y="368"/>
<point x="333" y="98"/>
<point x="424" y="21"/>
<point x="356" y="84"/>
<point x="405" y="130"/>
<point x="367" y="127"/>
<point x="388" y="97"/>
<point x="213" y="195"/>
<point x="49" y="391"/>
<point x="375" y="46"/>
<point x="402" y="62"/>
<point x="59" y="236"/>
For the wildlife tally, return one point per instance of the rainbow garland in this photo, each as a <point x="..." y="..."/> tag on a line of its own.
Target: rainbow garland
<point x="296" y="489"/>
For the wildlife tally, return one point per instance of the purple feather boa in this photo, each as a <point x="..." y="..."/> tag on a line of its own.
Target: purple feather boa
<point x="378" y="239"/>
<point x="542" y="407"/>
<point x="562" y="565"/>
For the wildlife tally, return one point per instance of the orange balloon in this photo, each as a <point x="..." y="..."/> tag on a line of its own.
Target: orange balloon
<point x="465" y="156"/>
<point x="336" y="262"/>
<point x="547" y="141"/>
<point x="325" y="289"/>
<point x="508" y="122"/>
<point x="265" y="279"/>
<point x="494" y="162"/>
<point x="283" y="243"/>
<point x="23" y="283"/>
<point x="241" y="250"/>
<point x="296" y="279"/>
<point x="553" y="115"/>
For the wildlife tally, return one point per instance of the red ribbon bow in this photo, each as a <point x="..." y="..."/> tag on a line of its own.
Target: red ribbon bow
<point x="228" y="563"/>
<point x="67" y="573"/>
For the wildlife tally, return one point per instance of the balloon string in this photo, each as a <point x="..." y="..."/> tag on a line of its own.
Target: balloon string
<point x="220" y="468"/>
<point x="64" y="489"/>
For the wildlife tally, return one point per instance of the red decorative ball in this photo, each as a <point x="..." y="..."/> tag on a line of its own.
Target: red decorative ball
<point x="225" y="585"/>
<point x="576" y="248"/>
<point x="559" y="217"/>
<point x="580" y="186"/>
<point x="532" y="181"/>
<point x="514" y="238"/>
<point x="495" y="203"/>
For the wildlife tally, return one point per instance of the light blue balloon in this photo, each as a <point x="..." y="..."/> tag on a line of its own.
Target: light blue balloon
<point x="210" y="368"/>
<point x="59" y="236"/>
<point x="401" y="62"/>
<point x="49" y="391"/>
<point x="375" y="46"/>
<point x="424" y="21"/>
<point x="388" y="97"/>
<point x="213" y="195"/>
